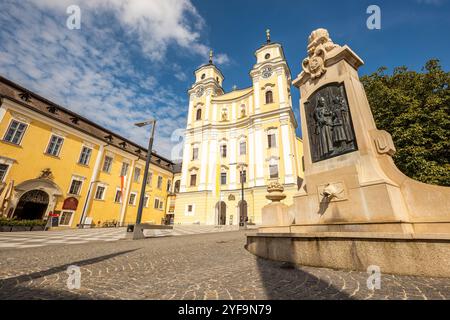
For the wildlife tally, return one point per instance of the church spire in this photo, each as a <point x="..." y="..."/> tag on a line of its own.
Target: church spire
<point x="268" y="35"/>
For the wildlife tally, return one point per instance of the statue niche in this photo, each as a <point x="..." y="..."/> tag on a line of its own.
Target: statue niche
<point x="329" y="123"/>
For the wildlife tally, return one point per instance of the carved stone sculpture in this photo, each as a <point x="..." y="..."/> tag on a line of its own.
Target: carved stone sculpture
<point x="275" y="192"/>
<point x="319" y="44"/>
<point x="224" y="115"/>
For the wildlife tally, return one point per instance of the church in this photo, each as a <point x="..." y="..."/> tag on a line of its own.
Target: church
<point x="239" y="142"/>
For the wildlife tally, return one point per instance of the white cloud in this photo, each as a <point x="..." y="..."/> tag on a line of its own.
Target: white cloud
<point x="156" y="23"/>
<point x="93" y="71"/>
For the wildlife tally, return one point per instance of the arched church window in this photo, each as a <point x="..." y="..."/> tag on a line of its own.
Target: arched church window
<point x="223" y="151"/>
<point x="269" y="97"/>
<point x="199" y="115"/>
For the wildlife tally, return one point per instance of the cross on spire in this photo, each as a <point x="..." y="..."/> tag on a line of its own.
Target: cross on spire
<point x="268" y="35"/>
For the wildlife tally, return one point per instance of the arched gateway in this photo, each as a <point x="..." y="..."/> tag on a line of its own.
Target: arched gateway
<point x="32" y="205"/>
<point x="34" y="199"/>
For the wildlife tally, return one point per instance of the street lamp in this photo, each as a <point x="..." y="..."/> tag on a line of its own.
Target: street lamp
<point x="147" y="167"/>
<point x="243" y="224"/>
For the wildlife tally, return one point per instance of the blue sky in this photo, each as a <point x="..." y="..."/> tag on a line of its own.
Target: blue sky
<point x="135" y="59"/>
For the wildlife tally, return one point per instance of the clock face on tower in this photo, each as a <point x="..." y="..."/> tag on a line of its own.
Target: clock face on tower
<point x="200" y="92"/>
<point x="266" y="72"/>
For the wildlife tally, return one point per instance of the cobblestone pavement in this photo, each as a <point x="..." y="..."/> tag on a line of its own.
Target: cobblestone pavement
<point x="202" y="266"/>
<point x="35" y="239"/>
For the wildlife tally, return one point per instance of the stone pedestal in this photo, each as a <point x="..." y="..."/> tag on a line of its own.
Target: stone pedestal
<point x="352" y="193"/>
<point x="276" y="213"/>
<point x="350" y="177"/>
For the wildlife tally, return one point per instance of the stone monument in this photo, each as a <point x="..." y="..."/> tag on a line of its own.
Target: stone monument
<point x="355" y="208"/>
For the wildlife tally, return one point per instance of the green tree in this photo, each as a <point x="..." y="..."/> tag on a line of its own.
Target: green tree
<point x="414" y="107"/>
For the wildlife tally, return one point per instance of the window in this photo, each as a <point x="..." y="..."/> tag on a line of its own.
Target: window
<point x="203" y="76"/>
<point x="66" y="218"/>
<point x="223" y="151"/>
<point x="137" y="174"/>
<point x="195" y="153"/>
<point x="149" y="178"/>
<point x="15" y="132"/>
<point x="161" y="205"/>
<point x="243" y="176"/>
<point x="132" y="200"/>
<point x="85" y="156"/>
<point x="54" y="146"/>
<point x="267" y="56"/>
<point x="100" y="193"/>
<point x="198" y="115"/>
<point x="169" y="185"/>
<point x="223" y="178"/>
<point x="193" y="180"/>
<point x="107" y="164"/>
<point x="243" y="148"/>
<point x="124" y="170"/>
<point x="189" y="211"/>
<point x="156" y="205"/>
<point x="3" y="170"/>
<point x="269" y="97"/>
<point x="146" y="199"/>
<point x="271" y="140"/>
<point x="177" y="186"/>
<point x="273" y="171"/>
<point x="118" y="197"/>
<point x="160" y="181"/>
<point x="75" y="186"/>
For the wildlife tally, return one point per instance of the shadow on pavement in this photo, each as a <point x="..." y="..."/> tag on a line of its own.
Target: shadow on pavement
<point x="286" y="281"/>
<point x="33" y="293"/>
<point x="14" y="281"/>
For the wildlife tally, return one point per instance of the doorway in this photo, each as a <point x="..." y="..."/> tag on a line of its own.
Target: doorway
<point x="221" y="210"/>
<point x="242" y="212"/>
<point x="32" y="205"/>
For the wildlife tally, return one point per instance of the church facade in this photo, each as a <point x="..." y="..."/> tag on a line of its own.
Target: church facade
<point x="237" y="143"/>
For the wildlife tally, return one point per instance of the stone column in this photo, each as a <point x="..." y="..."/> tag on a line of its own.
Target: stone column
<point x="212" y="162"/>
<point x="233" y="161"/>
<point x="186" y="159"/>
<point x="286" y="139"/>
<point x="259" y="153"/>
<point x="281" y="89"/>
<point x="190" y="110"/>
<point x="251" y="157"/>
<point x="204" y="161"/>
<point x="256" y="94"/>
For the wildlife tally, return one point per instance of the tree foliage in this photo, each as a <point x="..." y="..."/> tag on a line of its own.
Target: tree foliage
<point x="414" y="107"/>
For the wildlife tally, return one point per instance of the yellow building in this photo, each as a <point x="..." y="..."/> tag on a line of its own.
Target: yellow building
<point x="57" y="162"/>
<point x="246" y="135"/>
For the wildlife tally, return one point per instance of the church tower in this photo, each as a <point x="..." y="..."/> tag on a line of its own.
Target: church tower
<point x="240" y="140"/>
<point x="208" y="83"/>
